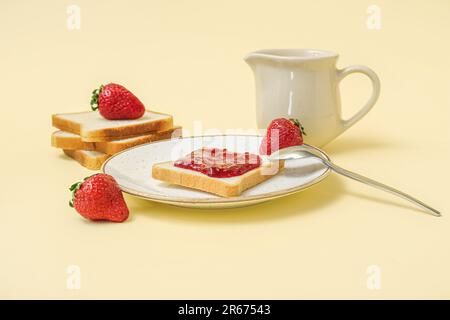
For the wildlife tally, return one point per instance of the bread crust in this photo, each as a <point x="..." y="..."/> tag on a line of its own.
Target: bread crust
<point x="92" y="163"/>
<point x="71" y="143"/>
<point x="112" y="147"/>
<point x="111" y="134"/>
<point x="218" y="186"/>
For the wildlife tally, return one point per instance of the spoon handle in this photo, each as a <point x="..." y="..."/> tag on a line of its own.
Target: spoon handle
<point x="379" y="185"/>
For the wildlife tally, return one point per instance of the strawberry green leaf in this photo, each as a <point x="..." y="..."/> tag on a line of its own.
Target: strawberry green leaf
<point x="298" y="124"/>
<point x="74" y="188"/>
<point x="94" y="98"/>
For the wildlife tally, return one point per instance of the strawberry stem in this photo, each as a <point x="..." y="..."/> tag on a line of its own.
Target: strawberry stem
<point x="94" y="98"/>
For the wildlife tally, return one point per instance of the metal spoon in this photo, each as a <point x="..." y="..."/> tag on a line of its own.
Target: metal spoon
<point x="304" y="150"/>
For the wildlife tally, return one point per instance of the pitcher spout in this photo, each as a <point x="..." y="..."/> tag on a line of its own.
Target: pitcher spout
<point x="251" y="59"/>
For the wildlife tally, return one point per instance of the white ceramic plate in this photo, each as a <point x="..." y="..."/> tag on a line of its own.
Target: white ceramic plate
<point x="132" y="170"/>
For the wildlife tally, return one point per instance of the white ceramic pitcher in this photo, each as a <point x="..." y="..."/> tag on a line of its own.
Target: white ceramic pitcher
<point x="304" y="84"/>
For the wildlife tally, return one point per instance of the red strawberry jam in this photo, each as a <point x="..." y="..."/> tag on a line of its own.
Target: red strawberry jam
<point x="219" y="163"/>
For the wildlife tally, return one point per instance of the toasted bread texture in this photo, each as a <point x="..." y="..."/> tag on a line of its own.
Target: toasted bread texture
<point x="92" y="160"/>
<point x="224" y="187"/>
<point x="70" y="141"/>
<point x="92" y="127"/>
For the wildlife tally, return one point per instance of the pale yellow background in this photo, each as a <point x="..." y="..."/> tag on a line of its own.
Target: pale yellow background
<point x="185" y="58"/>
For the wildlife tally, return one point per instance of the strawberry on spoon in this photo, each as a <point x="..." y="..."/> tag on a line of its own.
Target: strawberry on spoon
<point x="115" y="102"/>
<point x="281" y="133"/>
<point x="99" y="197"/>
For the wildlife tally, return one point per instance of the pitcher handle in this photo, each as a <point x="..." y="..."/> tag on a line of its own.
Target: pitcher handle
<point x="373" y="98"/>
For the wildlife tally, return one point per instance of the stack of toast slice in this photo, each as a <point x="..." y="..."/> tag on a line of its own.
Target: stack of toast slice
<point x="91" y="139"/>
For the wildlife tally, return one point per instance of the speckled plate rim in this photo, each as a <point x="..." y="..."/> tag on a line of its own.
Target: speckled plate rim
<point x="218" y="201"/>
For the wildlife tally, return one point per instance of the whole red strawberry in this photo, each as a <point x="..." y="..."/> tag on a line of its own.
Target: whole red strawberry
<point x="281" y="133"/>
<point x="115" y="102"/>
<point x="98" y="197"/>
